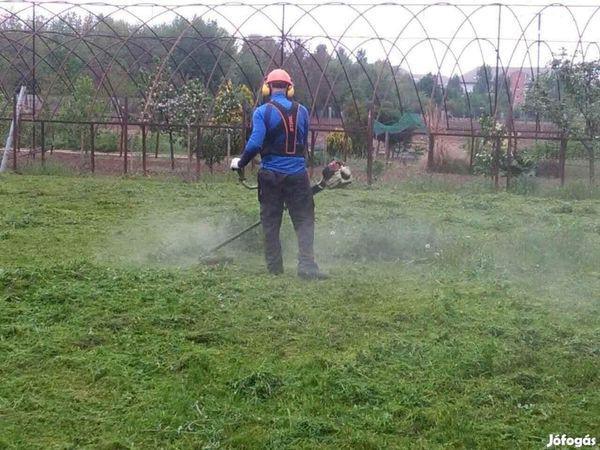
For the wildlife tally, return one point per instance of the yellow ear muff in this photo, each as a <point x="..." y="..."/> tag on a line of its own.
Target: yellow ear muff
<point x="265" y="90"/>
<point x="290" y="91"/>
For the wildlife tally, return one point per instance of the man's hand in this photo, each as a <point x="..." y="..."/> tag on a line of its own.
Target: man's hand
<point x="235" y="164"/>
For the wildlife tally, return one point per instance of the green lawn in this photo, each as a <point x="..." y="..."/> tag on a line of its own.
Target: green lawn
<point x="454" y="318"/>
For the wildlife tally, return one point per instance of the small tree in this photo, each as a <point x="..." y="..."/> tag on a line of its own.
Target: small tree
<point x="189" y="108"/>
<point x="191" y="105"/>
<point x="83" y="105"/>
<point x="213" y="144"/>
<point x="582" y="87"/>
<point x="159" y="94"/>
<point x="430" y="87"/>
<point x="228" y="110"/>
<point x="546" y="99"/>
<point x="492" y="157"/>
<point x="228" y="105"/>
<point x="569" y="96"/>
<point x="356" y="124"/>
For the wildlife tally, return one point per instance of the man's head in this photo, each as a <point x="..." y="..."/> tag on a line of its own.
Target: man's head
<point x="278" y="81"/>
<point x="278" y="86"/>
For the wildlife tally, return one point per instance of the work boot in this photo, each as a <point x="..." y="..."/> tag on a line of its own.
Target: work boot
<point x="274" y="263"/>
<point x="313" y="275"/>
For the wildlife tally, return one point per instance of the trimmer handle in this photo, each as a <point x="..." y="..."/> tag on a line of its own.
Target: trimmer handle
<point x="242" y="179"/>
<point x="240" y="173"/>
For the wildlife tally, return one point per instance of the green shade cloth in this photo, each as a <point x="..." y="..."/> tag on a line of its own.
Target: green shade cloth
<point x="408" y="121"/>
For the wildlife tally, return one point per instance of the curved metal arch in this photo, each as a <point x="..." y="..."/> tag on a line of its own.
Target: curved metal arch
<point x="237" y="29"/>
<point x="286" y="41"/>
<point x="412" y="77"/>
<point x="107" y="60"/>
<point x="166" y="10"/>
<point x="360" y="15"/>
<point x="87" y="66"/>
<point x="105" y="51"/>
<point x="590" y="45"/>
<point x="313" y="95"/>
<point x="109" y="88"/>
<point x="587" y="24"/>
<point x="320" y="25"/>
<point x="414" y="17"/>
<point x="457" y="59"/>
<point x="250" y="45"/>
<point x="101" y="21"/>
<point x="531" y="44"/>
<point x="523" y="30"/>
<point x="232" y="57"/>
<point x="351" y="52"/>
<point x="190" y="25"/>
<point x="468" y="18"/>
<point x="13" y="67"/>
<point x="573" y="20"/>
<point x="14" y="15"/>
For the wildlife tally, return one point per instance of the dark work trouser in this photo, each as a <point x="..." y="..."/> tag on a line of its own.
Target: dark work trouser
<point x="294" y="191"/>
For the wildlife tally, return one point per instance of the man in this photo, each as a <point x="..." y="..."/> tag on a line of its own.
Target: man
<point x="279" y="134"/>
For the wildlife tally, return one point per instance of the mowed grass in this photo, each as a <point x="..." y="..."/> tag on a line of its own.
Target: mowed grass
<point x="463" y="319"/>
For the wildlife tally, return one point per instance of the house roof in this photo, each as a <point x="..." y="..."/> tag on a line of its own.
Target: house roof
<point x="470" y="76"/>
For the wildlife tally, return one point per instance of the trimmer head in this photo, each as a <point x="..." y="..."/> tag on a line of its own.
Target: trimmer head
<point x="216" y="260"/>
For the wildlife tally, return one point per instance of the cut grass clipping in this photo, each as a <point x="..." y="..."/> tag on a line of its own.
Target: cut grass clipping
<point x="452" y="319"/>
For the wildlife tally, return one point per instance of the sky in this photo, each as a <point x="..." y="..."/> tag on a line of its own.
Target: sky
<point x="420" y="36"/>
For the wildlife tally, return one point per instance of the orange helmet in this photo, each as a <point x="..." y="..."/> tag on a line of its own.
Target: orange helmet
<point x="279" y="75"/>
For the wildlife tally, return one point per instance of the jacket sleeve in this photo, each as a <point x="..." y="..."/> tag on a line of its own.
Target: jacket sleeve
<point x="255" y="143"/>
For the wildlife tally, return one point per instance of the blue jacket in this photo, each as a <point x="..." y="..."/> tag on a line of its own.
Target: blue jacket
<point x="266" y="118"/>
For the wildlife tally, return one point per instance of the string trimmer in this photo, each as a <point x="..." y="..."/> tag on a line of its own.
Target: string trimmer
<point x="335" y="175"/>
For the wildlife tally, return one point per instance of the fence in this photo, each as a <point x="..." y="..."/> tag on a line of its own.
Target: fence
<point x="352" y="64"/>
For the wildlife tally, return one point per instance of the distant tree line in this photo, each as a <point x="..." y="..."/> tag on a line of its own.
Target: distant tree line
<point x="120" y="58"/>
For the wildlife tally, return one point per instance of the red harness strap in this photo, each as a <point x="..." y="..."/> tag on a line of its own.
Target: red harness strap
<point x="289" y="123"/>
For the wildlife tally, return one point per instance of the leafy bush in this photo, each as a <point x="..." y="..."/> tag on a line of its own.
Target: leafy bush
<point x="418" y="149"/>
<point x="520" y="163"/>
<point x="495" y="142"/>
<point x="543" y="150"/>
<point x="319" y="157"/>
<point x="452" y="164"/>
<point x="66" y="137"/>
<point x="164" y="148"/>
<point x="213" y="146"/>
<point x="355" y="120"/>
<point x="378" y="168"/>
<point x="107" y="141"/>
<point x="83" y="104"/>
<point x="576" y="150"/>
<point x="545" y="156"/>
<point x="547" y="168"/>
<point x="191" y="104"/>
<point x="338" y="144"/>
<point x="524" y="185"/>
